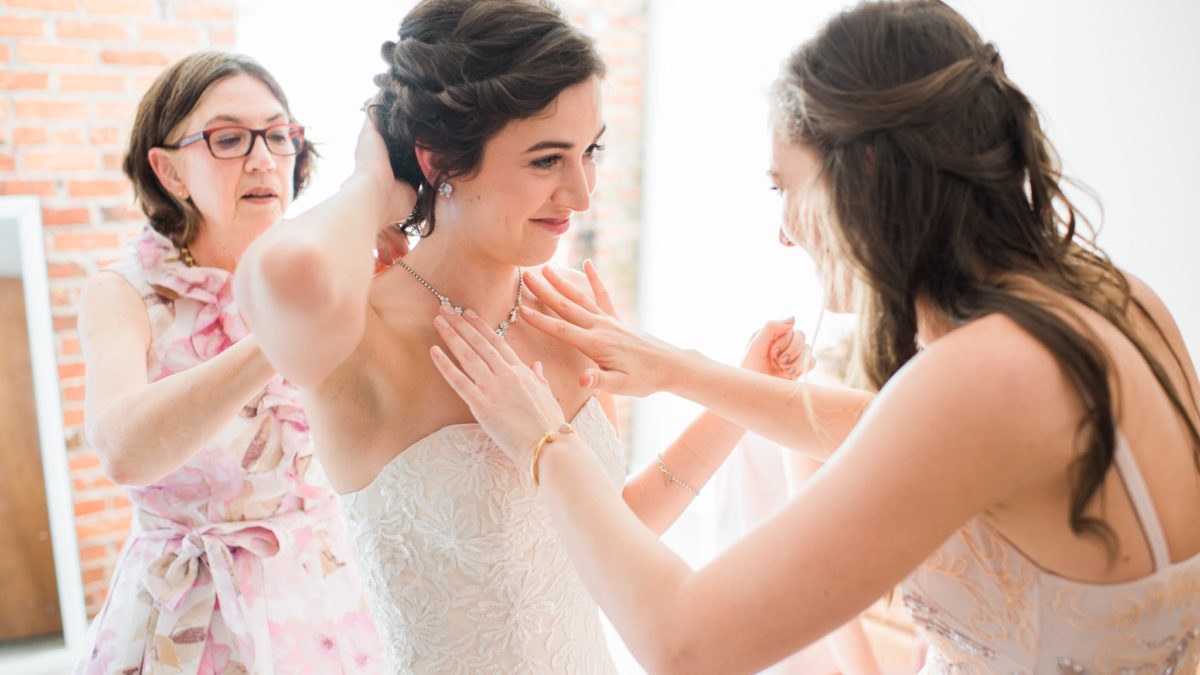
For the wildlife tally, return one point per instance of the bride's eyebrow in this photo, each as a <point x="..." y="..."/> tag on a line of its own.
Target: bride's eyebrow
<point x="559" y="145"/>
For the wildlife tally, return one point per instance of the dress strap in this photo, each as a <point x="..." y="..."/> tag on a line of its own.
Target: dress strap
<point x="1143" y="505"/>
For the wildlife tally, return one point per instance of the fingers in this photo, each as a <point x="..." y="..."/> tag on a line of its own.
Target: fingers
<point x="551" y="295"/>
<point x="557" y="328"/>
<point x="603" y="298"/>
<point x="489" y="335"/>
<point x="460" y="383"/>
<point x="602" y="380"/>
<point x="475" y="356"/>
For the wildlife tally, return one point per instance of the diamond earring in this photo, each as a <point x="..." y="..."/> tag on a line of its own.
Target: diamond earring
<point x="444" y="189"/>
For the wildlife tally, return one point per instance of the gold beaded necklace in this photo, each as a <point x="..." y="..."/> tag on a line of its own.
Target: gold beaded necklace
<point x="185" y="254"/>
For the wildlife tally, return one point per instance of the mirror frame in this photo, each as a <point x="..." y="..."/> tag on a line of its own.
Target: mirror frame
<point x="26" y="212"/>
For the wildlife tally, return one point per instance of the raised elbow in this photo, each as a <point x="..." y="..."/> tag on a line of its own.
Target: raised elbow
<point x="290" y="274"/>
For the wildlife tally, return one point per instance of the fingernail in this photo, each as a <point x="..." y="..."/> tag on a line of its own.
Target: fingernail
<point x="471" y="314"/>
<point x="790" y="319"/>
<point x="440" y="322"/>
<point x="446" y="309"/>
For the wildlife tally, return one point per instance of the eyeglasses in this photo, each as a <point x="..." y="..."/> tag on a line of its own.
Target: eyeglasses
<point x="234" y="142"/>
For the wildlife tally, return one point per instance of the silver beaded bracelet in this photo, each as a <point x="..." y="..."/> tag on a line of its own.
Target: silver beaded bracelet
<point x="672" y="478"/>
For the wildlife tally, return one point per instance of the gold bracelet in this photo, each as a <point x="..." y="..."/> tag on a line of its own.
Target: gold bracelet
<point x="548" y="437"/>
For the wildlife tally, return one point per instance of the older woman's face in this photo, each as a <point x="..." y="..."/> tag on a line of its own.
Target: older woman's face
<point x="240" y="197"/>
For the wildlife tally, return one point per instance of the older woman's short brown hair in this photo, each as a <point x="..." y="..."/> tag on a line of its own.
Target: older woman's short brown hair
<point x="170" y="99"/>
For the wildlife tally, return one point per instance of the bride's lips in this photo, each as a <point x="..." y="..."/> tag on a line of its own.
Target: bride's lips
<point x="557" y="225"/>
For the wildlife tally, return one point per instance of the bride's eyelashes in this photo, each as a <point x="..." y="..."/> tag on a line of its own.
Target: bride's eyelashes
<point x="550" y="160"/>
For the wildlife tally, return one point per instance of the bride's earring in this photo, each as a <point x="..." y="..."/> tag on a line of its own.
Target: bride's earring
<point x="444" y="189"/>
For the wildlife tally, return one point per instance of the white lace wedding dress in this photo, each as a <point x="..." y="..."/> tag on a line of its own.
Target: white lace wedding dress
<point x="465" y="570"/>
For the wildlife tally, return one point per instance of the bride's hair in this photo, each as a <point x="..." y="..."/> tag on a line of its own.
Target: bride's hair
<point x="459" y="71"/>
<point x="938" y="181"/>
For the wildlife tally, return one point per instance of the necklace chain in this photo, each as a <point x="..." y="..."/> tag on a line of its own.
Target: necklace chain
<point x="513" y="314"/>
<point x="185" y="254"/>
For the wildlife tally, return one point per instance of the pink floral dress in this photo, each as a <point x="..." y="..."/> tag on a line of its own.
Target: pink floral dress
<point x="238" y="561"/>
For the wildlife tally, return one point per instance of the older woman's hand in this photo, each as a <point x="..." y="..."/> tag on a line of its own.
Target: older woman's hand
<point x="628" y="362"/>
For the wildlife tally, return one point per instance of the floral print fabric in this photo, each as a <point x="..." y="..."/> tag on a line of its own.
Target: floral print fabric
<point x="238" y="561"/>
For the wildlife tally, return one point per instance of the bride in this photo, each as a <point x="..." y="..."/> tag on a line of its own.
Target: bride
<point x="489" y="115"/>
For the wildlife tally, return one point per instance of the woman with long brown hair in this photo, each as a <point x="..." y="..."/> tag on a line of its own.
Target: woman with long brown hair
<point x="1029" y="472"/>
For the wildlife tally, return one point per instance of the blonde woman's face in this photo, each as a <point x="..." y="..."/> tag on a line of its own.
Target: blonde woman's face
<point x="794" y="174"/>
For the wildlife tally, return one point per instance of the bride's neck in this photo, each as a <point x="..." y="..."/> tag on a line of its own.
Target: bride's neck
<point x="468" y="277"/>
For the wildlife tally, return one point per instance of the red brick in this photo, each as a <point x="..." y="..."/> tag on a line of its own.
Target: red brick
<point x="37" y="52"/>
<point x="94" y="576"/>
<point x="133" y="58"/>
<point x="105" y="136"/>
<point x="89" y="82"/>
<point x="3" y="52"/>
<point x="81" y="461"/>
<point x="70" y="346"/>
<point x="51" y="109"/>
<point x="10" y="80"/>
<point x="44" y="188"/>
<point x="205" y="12"/>
<point x="161" y="33"/>
<point x="60" y="161"/>
<point x="116" y="110"/>
<point x="29" y="136"/>
<point x="75" y="241"/>
<point x="122" y="7"/>
<point x="7" y="163"/>
<point x="90" y="30"/>
<point x="226" y="37"/>
<point x="68" y="137"/>
<point x="44" y="5"/>
<point x="85" y="508"/>
<point x="96" y="188"/>
<point x="70" y="370"/>
<point x="21" y="27"/>
<point x="111" y="161"/>
<point x="76" y="216"/>
<point x="93" y="553"/>
<point x="72" y="417"/>
<point x="120" y="501"/>
<point x="60" y="298"/>
<point x="117" y="213"/>
<point x="118" y="525"/>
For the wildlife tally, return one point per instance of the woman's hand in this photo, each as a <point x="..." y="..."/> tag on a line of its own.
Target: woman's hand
<point x="371" y="161"/>
<point x="628" y="362"/>
<point x="778" y="349"/>
<point x="513" y="403"/>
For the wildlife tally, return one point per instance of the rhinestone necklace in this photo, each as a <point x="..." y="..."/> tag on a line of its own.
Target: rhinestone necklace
<point x="503" y="327"/>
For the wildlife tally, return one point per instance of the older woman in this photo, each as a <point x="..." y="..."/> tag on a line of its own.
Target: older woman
<point x="237" y="561"/>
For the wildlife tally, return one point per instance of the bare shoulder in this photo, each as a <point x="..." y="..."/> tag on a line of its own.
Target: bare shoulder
<point x="108" y="301"/>
<point x="991" y="388"/>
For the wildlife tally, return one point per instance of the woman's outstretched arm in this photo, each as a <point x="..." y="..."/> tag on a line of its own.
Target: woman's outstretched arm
<point x="813" y="419"/>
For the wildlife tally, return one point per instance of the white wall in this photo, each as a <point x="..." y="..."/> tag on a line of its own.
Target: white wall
<point x="324" y="55"/>
<point x="1119" y="85"/>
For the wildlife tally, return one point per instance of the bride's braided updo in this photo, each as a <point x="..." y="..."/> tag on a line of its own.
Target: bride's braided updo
<point x="459" y="71"/>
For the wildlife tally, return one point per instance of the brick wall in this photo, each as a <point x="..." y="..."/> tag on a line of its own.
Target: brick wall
<point x="71" y="72"/>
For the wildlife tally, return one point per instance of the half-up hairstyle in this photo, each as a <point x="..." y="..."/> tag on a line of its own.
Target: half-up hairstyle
<point x="459" y="71"/>
<point x="940" y="182"/>
<point x="173" y="96"/>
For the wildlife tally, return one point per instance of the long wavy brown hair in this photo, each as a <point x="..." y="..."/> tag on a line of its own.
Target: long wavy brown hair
<point x="939" y="182"/>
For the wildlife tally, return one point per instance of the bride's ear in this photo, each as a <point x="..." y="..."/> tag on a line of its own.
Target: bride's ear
<point x="426" y="160"/>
